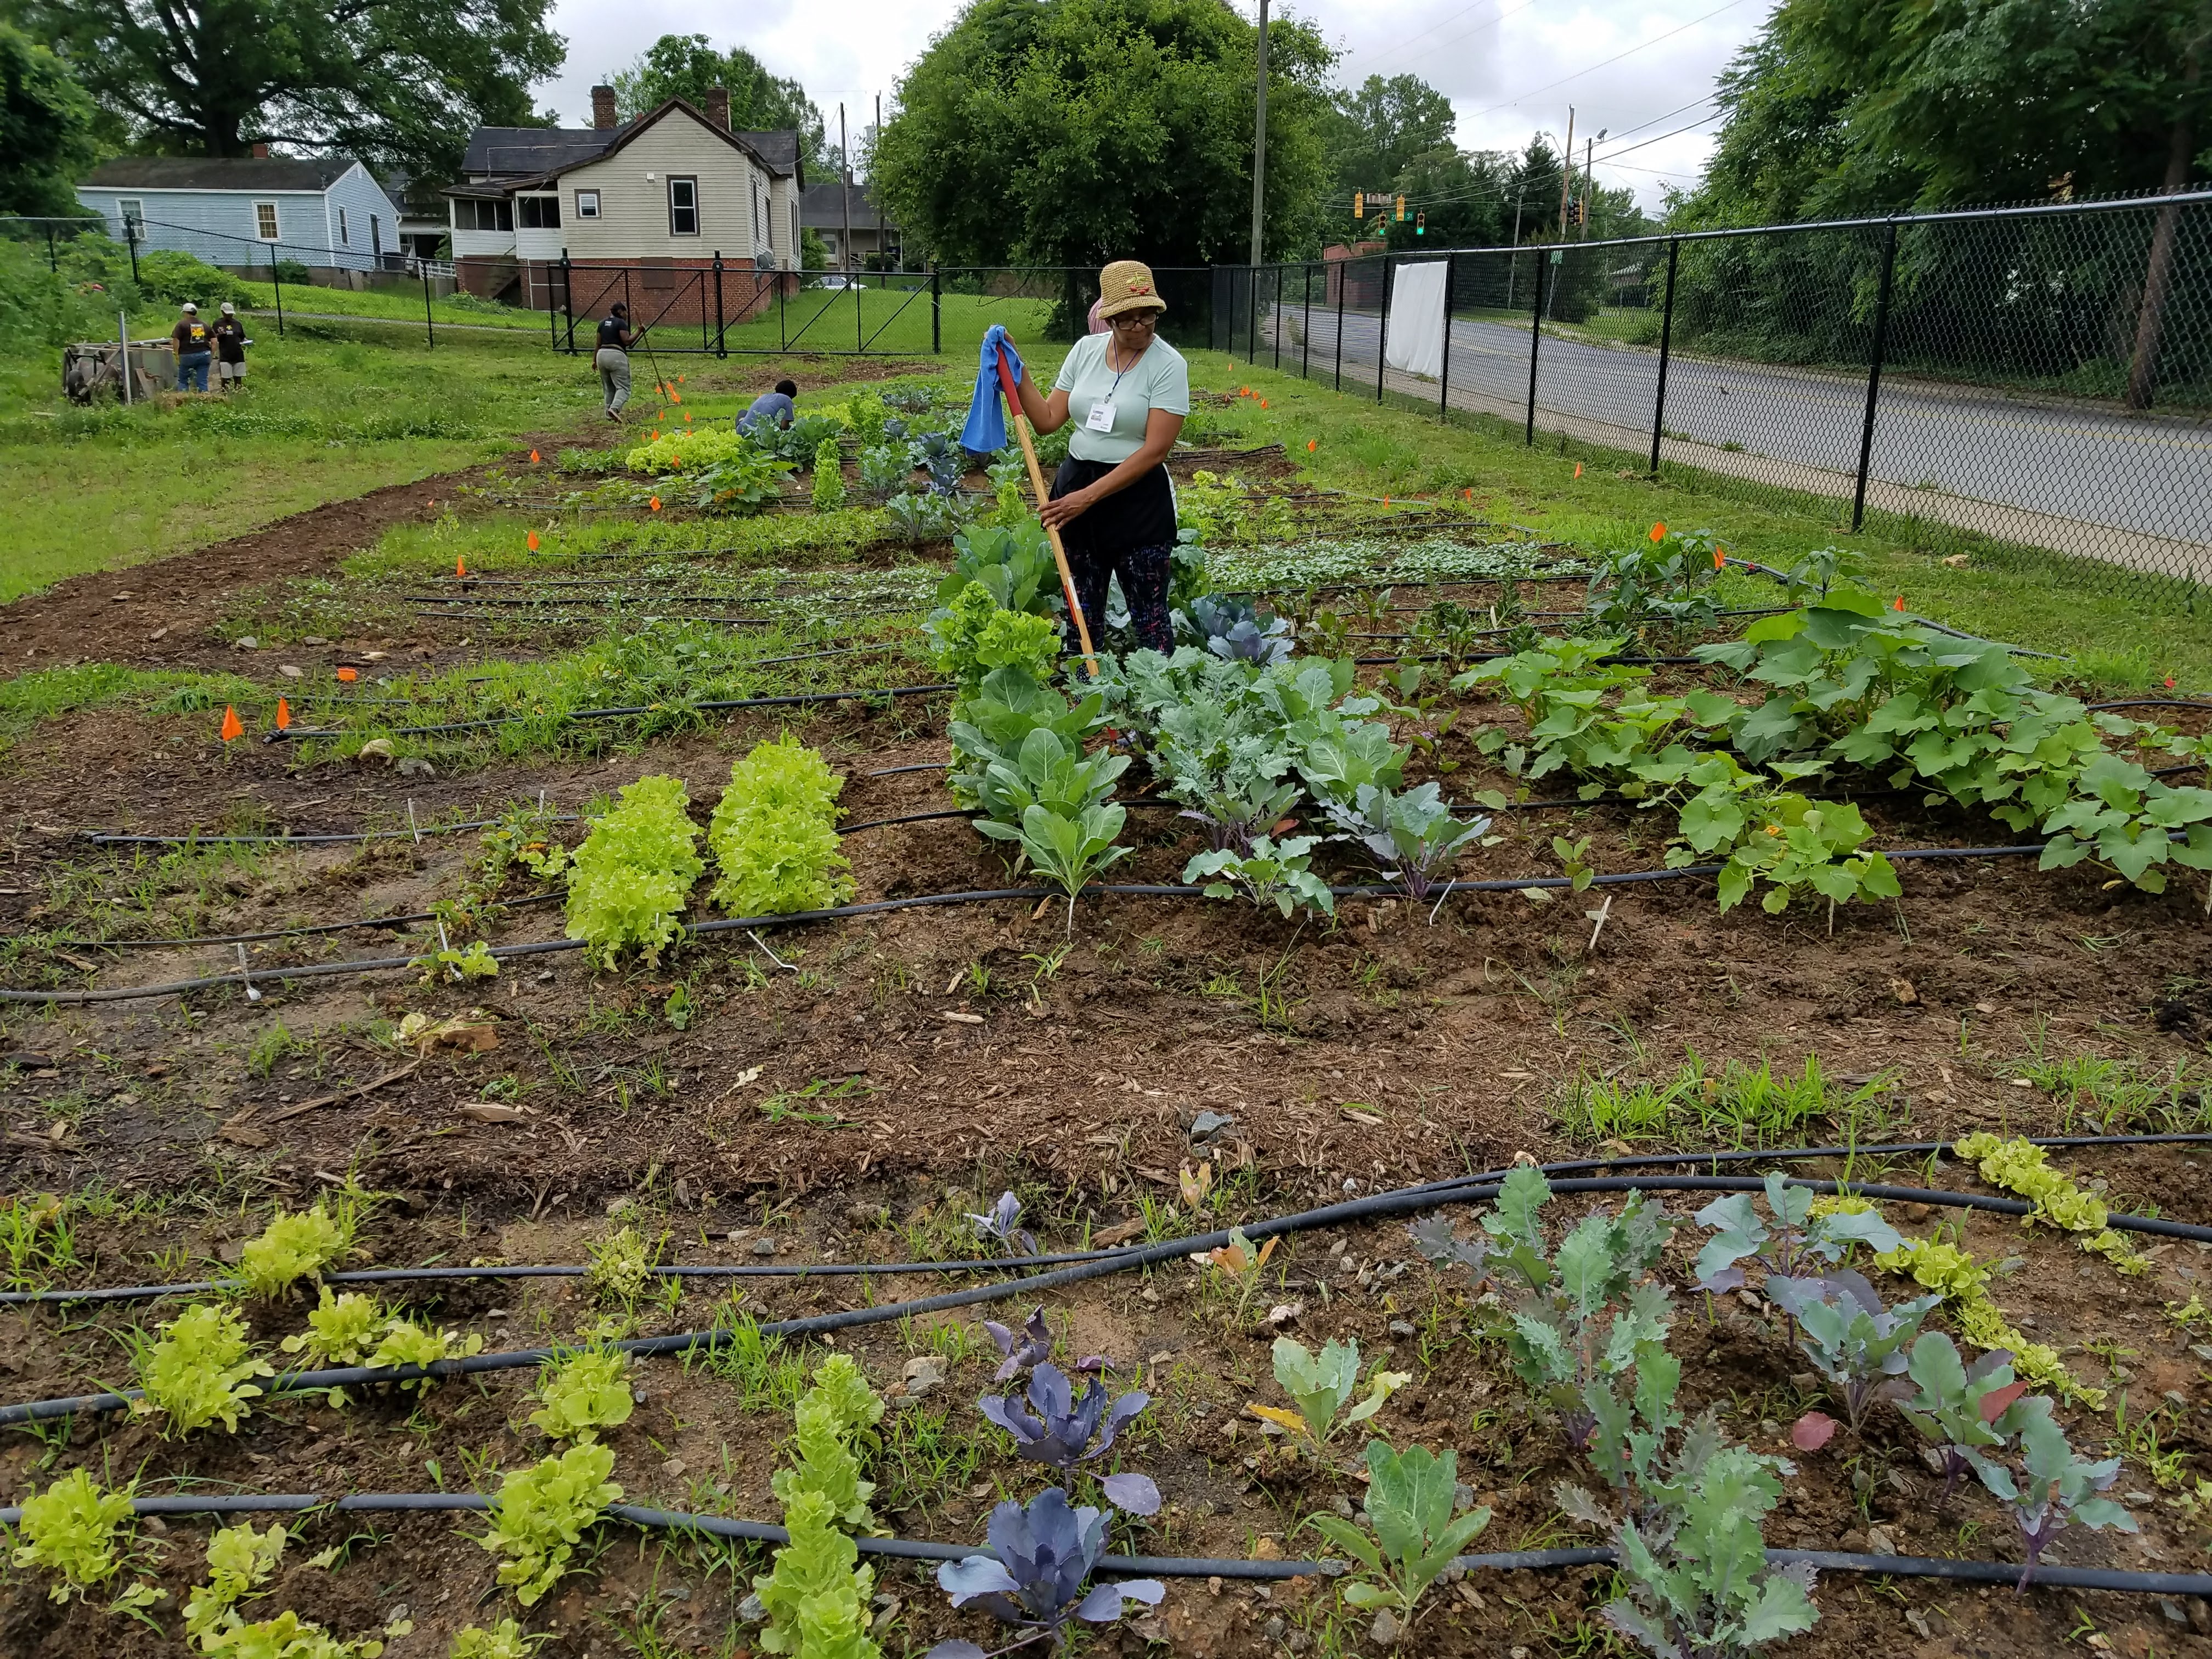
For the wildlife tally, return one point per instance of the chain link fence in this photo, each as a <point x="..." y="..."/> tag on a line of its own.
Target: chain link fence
<point x="2034" y="378"/>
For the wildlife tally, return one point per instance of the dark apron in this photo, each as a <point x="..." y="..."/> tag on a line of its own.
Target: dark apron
<point x="1143" y="515"/>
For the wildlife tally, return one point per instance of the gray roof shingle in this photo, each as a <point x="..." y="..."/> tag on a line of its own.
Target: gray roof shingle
<point x="822" y="207"/>
<point x="521" y="151"/>
<point x="219" y="173"/>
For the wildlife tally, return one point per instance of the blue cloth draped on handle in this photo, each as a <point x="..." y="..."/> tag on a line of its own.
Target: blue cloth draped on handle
<point x="986" y="431"/>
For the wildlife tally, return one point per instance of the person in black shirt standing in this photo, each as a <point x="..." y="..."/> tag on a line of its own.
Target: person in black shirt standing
<point x="229" y="349"/>
<point x="613" y="360"/>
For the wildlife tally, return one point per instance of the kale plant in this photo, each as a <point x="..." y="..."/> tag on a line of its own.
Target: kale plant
<point x="1413" y="836"/>
<point x="886" y="469"/>
<point x="1852" y="1339"/>
<point x="1409" y="1504"/>
<point x="1796" y="1234"/>
<point x="1321" y="1385"/>
<point x="1060" y="1427"/>
<point x="1955" y="1404"/>
<point x="940" y="455"/>
<point x="1271" y="873"/>
<point x="1042" y="1555"/>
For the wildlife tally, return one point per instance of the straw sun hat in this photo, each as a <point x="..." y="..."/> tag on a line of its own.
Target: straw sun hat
<point x="1126" y="285"/>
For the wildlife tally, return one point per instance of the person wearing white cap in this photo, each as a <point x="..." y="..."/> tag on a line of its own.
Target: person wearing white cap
<point x="229" y="349"/>
<point x="194" y="344"/>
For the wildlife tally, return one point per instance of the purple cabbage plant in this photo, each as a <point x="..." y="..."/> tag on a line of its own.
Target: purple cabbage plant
<point x="1034" y="1579"/>
<point x="1032" y="1345"/>
<point x="1059" y="1431"/>
<point x="999" y="1224"/>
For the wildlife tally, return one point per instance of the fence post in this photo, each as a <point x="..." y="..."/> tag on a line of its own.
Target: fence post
<point x="722" y="323"/>
<point x="1252" y="315"/>
<point x="1874" y="371"/>
<point x="53" y="264"/>
<point x="130" y="239"/>
<point x="1444" y="383"/>
<point x="430" y="322"/>
<point x="1305" y="321"/>
<point x="936" y="309"/>
<point x="1535" y="339"/>
<point x="568" y="304"/>
<point x="276" y="278"/>
<point x="1343" y="276"/>
<point x="1382" y="325"/>
<point x="1275" y="326"/>
<point x="1666" y="349"/>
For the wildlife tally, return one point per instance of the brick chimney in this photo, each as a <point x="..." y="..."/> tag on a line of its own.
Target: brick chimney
<point x="603" y="108"/>
<point x="718" y="107"/>
<point x="261" y="152"/>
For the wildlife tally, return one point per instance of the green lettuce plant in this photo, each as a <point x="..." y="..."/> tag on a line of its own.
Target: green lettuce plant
<point x="540" y="1514"/>
<point x="582" y="1394"/>
<point x="1409" y="1504"/>
<point x="816" y="1594"/>
<point x="198" y="1371"/>
<point x="504" y="1640"/>
<point x="296" y="1244"/>
<point x="630" y="880"/>
<point x="70" y="1531"/>
<point x="774" y="834"/>
<point x="829" y="476"/>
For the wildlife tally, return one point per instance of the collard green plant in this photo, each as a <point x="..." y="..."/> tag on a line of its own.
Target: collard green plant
<point x="582" y="1394"/>
<point x="923" y="516"/>
<point x="1271" y="873"/>
<point x="633" y="874"/>
<point x="1043" y="1555"/>
<point x="1851" y="1338"/>
<point x="1953" y="1404"/>
<point x="70" y="1532"/>
<point x="1409" y="1504"/>
<point x="198" y="1371"/>
<point x="1062" y="1430"/>
<point x="540" y="1514"/>
<point x="1741" y="1234"/>
<point x="1412" y="837"/>
<point x="1322" y="1386"/>
<point x="1050" y="772"/>
<point x="1013" y="563"/>
<point x="1069" y="851"/>
<point x="774" y="834"/>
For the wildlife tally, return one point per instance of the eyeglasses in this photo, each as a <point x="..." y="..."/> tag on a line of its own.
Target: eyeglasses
<point x="1136" y="319"/>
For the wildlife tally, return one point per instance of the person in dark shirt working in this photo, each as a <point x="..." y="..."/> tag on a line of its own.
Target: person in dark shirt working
<point x="774" y="408"/>
<point x="194" y="344"/>
<point x="612" y="360"/>
<point x="230" y="344"/>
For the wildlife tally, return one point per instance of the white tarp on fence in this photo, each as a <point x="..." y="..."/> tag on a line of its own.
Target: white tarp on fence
<point x="1415" y="343"/>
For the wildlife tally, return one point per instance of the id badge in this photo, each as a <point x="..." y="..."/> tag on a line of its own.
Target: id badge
<point x="1100" y="418"/>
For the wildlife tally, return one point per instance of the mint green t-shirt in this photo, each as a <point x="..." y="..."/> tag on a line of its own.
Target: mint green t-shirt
<point x="1159" y="379"/>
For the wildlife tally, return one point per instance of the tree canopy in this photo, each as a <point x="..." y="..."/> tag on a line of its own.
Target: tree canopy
<point x="1068" y="132"/>
<point x="1841" y="108"/>
<point x="47" y="128"/>
<point x="394" y="82"/>
<point x="689" y="66"/>
<point x="1374" y="130"/>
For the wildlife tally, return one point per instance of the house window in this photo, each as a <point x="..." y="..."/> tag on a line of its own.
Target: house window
<point x="683" y="207"/>
<point x="756" y="213"/>
<point x="539" y="212"/>
<point x="133" y="212"/>
<point x="470" y="214"/>
<point x="342" y="237"/>
<point x="588" y="204"/>
<point x="376" y="234"/>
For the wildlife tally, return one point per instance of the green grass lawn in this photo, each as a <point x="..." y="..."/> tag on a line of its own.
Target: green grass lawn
<point x="400" y="305"/>
<point x="888" y="320"/>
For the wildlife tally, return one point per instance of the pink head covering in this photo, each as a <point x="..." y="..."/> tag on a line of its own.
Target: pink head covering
<point x="1096" y="323"/>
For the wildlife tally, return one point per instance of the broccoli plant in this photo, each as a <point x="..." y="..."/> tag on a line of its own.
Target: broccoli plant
<point x="1781" y="1249"/>
<point x="539" y="1515"/>
<point x="1413" y="836"/>
<point x="1581" y="1317"/>
<point x="1060" y="1427"/>
<point x="1954" y="1403"/>
<point x="1697" y="1584"/>
<point x="1271" y="873"/>
<point x="1409" y="1503"/>
<point x="1321" y="1385"/>
<point x="2052" y="1488"/>
<point x="999" y="1224"/>
<point x="1851" y="1338"/>
<point x="1042" y="1557"/>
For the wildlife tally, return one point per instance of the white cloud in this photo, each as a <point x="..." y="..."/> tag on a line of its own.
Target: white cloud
<point x="1495" y="59"/>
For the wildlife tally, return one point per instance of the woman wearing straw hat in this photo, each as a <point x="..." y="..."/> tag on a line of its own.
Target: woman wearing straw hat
<point x="1128" y="392"/>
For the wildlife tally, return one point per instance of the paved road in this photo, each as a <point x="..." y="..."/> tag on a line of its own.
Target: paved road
<point x="2147" y="474"/>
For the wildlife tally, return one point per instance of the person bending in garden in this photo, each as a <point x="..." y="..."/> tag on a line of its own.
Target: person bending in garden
<point x="612" y="360"/>
<point x="229" y="349"/>
<point x="1127" y="391"/>
<point x="774" y="408"/>
<point x="194" y="344"/>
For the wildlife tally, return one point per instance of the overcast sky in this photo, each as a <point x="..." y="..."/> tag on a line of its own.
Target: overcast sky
<point x="1509" y="67"/>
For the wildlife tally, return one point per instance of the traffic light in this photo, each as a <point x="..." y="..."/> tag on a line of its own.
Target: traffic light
<point x="1420" y="224"/>
<point x="1401" y="210"/>
<point x="1358" y="206"/>
<point x="1581" y="210"/>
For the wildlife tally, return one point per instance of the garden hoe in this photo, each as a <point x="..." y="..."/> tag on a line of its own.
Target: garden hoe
<point x="1037" y="483"/>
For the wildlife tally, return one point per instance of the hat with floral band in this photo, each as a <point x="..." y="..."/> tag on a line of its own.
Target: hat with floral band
<point x="1126" y="285"/>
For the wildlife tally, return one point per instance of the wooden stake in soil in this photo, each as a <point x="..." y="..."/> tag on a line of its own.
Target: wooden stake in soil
<point x="1037" y="483"/>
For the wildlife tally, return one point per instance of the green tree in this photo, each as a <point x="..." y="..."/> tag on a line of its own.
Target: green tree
<point x="688" y="66"/>
<point x="397" y="82"/>
<point x="1374" y="131"/>
<point x="1068" y="132"/>
<point x="1850" y="106"/>
<point x="47" y="128"/>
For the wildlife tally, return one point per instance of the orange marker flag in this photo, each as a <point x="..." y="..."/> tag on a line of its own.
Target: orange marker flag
<point x="1468" y="495"/>
<point x="283" y="714"/>
<point x="676" y="463"/>
<point x="531" y="540"/>
<point x="656" y="437"/>
<point x="533" y="458"/>
<point x="233" y="727"/>
<point x="1658" y="532"/>
<point x="1898" y="604"/>
<point x="1311" y="444"/>
<point x="348" y="675"/>
<point x="675" y="396"/>
<point x="687" y="413"/>
<point x="1263" y="403"/>
<point x="1578" y="468"/>
<point x="460" y="565"/>
<point x="654" y="504"/>
<point x="679" y="379"/>
<point x="1719" y="558"/>
<point x="1386" y="501"/>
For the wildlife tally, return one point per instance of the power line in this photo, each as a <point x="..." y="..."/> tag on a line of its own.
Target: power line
<point x="1729" y="5"/>
<point x="1469" y="35"/>
<point x="1631" y="132"/>
<point x="1703" y="120"/>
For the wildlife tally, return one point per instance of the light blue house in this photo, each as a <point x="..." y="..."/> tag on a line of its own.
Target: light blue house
<point x="328" y="214"/>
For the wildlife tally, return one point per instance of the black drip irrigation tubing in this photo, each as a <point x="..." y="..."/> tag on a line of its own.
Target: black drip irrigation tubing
<point x="718" y="705"/>
<point x="1401" y="1202"/>
<point x="1001" y="1264"/>
<point x="743" y="924"/>
<point x="2049" y="1576"/>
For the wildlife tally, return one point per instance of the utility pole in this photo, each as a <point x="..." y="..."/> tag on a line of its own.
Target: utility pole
<point x="1588" y="146"/>
<point x="1566" y="172"/>
<point x="1260" y="140"/>
<point x="1512" y="263"/>
<point x="882" y="254"/>
<point x="845" y="178"/>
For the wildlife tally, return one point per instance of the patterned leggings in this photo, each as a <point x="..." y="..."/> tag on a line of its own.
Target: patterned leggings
<point x="1145" y="573"/>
